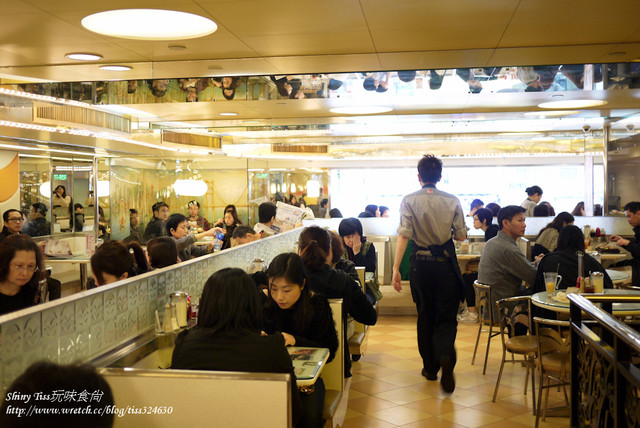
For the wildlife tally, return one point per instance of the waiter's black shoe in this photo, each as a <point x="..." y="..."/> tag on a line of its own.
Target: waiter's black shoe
<point x="429" y="376"/>
<point x="448" y="382"/>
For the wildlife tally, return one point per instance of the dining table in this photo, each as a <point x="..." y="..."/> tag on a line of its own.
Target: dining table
<point x="558" y="301"/>
<point x="307" y="363"/>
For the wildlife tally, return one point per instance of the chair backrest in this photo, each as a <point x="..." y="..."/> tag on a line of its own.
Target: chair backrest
<point x="483" y="301"/>
<point x="514" y="316"/>
<point x="360" y="271"/>
<point x="333" y="373"/>
<point x="551" y="340"/>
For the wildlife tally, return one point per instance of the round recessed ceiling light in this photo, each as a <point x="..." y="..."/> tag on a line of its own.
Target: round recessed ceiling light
<point x="228" y="114"/>
<point x="115" y="67"/>
<point x="79" y="56"/>
<point x="149" y="24"/>
<point x="360" y="110"/>
<point x="573" y="104"/>
<point x="551" y="113"/>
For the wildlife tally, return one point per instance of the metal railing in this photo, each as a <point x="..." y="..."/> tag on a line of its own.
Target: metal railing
<point x="605" y="383"/>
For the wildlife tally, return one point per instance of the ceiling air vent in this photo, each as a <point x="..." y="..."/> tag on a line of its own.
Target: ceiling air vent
<point x="299" y="148"/>
<point x="49" y="114"/>
<point x="199" y="140"/>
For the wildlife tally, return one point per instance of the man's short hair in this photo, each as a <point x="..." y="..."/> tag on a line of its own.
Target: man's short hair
<point x="324" y="202"/>
<point x="266" y="211"/>
<point x="484" y="215"/>
<point x="173" y="221"/>
<point x="349" y="226"/>
<point x="133" y="211"/>
<point x="40" y="208"/>
<point x="196" y="203"/>
<point x="430" y="169"/>
<point x="242" y="232"/>
<point x="541" y="211"/>
<point x="156" y="207"/>
<point x="5" y="215"/>
<point x="477" y="203"/>
<point x="633" y="207"/>
<point x="508" y="213"/>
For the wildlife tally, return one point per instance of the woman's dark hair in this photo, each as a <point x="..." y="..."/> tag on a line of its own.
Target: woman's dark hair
<point x="366" y="214"/>
<point x="40" y="208"/>
<point x="162" y="252"/>
<point x="335" y="213"/>
<point x="44" y="377"/>
<point x="485" y="216"/>
<point x="64" y="190"/>
<point x="558" y="222"/>
<point x="552" y="212"/>
<point x="477" y="203"/>
<point x="76" y="206"/>
<point x="371" y="209"/>
<point x="541" y="211"/>
<point x="578" y="209"/>
<point x="383" y="209"/>
<point x="114" y="258"/>
<point x="230" y="303"/>
<point x="349" y="226"/>
<point x="290" y="267"/>
<point x="495" y="208"/>
<point x="234" y="214"/>
<point x="533" y="190"/>
<point x="173" y="221"/>
<point x="20" y="242"/>
<point x="337" y="248"/>
<point x="314" y="245"/>
<point x="430" y="169"/>
<point x="570" y="237"/>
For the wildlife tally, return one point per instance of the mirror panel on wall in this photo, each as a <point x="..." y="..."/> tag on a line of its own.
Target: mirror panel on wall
<point x="623" y="173"/>
<point x="35" y="186"/>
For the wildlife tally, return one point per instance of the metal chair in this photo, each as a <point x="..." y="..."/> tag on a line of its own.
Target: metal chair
<point x="511" y="312"/>
<point x="483" y="306"/>
<point x="554" y="359"/>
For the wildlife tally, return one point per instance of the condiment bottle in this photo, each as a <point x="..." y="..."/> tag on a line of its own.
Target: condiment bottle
<point x="580" y="280"/>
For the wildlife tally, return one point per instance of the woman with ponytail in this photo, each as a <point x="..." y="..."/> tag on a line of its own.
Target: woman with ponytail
<point x="314" y="246"/>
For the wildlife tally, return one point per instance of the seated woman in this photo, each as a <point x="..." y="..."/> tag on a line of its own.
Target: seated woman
<point x="362" y="253"/>
<point x="547" y="238"/>
<point x="112" y="262"/>
<point x="303" y="318"/>
<point x="337" y="261"/>
<point x="177" y="228"/>
<point x="21" y="268"/>
<point x="564" y="260"/>
<point x="314" y="246"/>
<point x="483" y="219"/>
<point x="162" y="252"/>
<point x="227" y="336"/>
<point x="230" y="222"/>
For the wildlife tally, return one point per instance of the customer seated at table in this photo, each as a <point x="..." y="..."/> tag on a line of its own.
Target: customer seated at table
<point x="552" y="212"/>
<point x="314" y="246"/>
<point x="564" y="261"/>
<point x="502" y="265"/>
<point x="362" y="253"/>
<point x="476" y="204"/>
<point x="230" y="223"/>
<point x="162" y="252"/>
<point x="194" y="217"/>
<point x="578" y="211"/>
<point x="266" y="217"/>
<point x="156" y="227"/>
<point x="21" y="268"/>
<point x="547" y="238"/>
<point x="113" y="261"/>
<point x="483" y="219"/>
<point x="494" y="208"/>
<point x="534" y="194"/>
<point x="337" y="261"/>
<point x="227" y="336"/>
<point x="303" y="318"/>
<point x="78" y="217"/>
<point x="134" y="232"/>
<point x="55" y="382"/>
<point x="384" y="211"/>
<point x="632" y="211"/>
<point x="335" y="213"/>
<point x="244" y="234"/>
<point x="541" y="211"/>
<point x="373" y="210"/>
<point x="13" y="222"/>
<point x="178" y="229"/>
<point x="37" y="224"/>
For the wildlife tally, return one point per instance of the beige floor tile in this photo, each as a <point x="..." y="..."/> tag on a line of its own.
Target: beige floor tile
<point x="351" y="413"/>
<point x="530" y="420"/>
<point x="369" y="404"/>
<point x="433" y="423"/>
<point x="400" y="415"/>
<point x="404" y="352"/>
<point x="470" y="418"/>
<point x="366" y="421"/>
<point x="435" y="406"/>
<point x="402" y="396"/>
<point x="504" y="410"/>
<point x="406" y="365"/>
<point x="372" y="386"/>
<point x="403" y="378"/>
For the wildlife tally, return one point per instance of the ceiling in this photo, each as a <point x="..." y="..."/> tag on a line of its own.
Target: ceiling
<point x="264" y="37"/>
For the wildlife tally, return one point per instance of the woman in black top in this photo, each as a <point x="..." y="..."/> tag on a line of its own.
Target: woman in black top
<point x="228" y="334"/>
<point x="303" y="318"/>
<point x="21" y="268"/>
<point x="314" y="246"/>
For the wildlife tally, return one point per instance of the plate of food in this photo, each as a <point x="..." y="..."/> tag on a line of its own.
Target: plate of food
<point x="611" y="248"/>
<point x="561" y="297"/>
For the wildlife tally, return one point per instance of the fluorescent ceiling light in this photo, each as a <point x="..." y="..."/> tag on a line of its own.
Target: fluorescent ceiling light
<point x="515" y="134"/>
<point x="572" y="104"/>
<point x="149" y="24"/>
<point x="551" y="113"/>
<point x="360" y="109"/>
<point x="115" y="67"/>
<point x="83" y="56"/>
<point x="228" y="114"/>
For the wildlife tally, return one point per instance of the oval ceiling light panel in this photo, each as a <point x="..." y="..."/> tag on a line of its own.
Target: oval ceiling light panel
<point x="572" y="104"/>
<point x="360" y="110"/>
<point x="149" y="24"/>
<point x="115" y="68"/>
<point x="80" y="56"/>
<point x="552" y="113"/>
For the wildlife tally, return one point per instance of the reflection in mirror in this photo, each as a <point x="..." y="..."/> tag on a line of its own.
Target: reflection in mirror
<point x="35" y="188"/>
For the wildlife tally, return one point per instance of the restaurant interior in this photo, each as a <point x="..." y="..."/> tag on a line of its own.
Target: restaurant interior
<point x="337" y="104"/>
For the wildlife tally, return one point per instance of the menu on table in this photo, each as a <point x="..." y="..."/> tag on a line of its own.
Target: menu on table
<point x="307" y="362"/>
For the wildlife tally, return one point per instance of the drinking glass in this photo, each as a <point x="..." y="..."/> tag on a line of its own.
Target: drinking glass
<point x="551" y="281"/>
<point x="597" y="281"/>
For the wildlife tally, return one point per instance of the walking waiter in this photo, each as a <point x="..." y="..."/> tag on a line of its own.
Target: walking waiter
<point x="432" y="219"/>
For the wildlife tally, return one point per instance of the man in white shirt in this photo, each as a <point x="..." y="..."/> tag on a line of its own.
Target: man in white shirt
<point x="266" y="217"/>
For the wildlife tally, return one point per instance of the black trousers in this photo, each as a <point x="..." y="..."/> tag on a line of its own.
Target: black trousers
<point x="435" y="292"/>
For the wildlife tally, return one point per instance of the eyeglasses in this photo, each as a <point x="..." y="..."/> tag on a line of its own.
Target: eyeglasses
<point x="16" y="220"/>
<point x="30" y="269"/>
